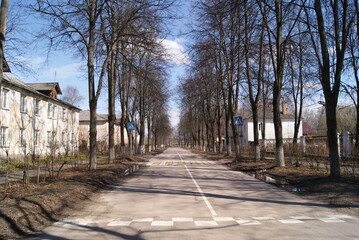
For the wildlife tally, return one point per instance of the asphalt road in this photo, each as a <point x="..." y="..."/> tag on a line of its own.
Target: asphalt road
<point x="179" y="195"/>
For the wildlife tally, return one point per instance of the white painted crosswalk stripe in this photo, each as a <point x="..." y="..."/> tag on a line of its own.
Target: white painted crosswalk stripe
<point x="176" y="163"/>
<point x="216" y="221"/>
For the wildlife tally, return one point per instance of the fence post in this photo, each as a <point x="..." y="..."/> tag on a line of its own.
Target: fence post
<point x="338" y="139"/>
<point x="346" y="144"/>
<point x="302" y="143"/>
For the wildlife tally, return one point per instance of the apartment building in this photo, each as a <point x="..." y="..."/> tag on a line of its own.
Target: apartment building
<point x="34" y="122"/>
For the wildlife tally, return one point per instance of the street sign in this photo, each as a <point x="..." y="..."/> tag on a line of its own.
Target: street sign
<point x="238" y="120"/>
<point x="131" y="126"/>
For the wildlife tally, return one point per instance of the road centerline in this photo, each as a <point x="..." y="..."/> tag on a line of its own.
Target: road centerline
<point x="209" y="206"/>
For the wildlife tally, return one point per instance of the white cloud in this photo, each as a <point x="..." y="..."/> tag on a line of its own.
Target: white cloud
<point x="175" y="113"/>
<point x="70" y="71"/>
<point x="175" y="51"/>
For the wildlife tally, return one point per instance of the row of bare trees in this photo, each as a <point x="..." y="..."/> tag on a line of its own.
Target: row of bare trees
<point x="120" y="40"/>
<point x="260" y="53"/>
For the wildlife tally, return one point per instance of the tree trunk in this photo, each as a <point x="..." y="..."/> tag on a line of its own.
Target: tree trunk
<point x="93" y="135"/>
<point x="331" y="117"/>
<point x="228" y="137"/>
<point x="91" y="87"/>
<point x="220" y="144"/>
<point x="331" y="88"/>
<point x="278" y="127"/>
<point x="3" y="18"/>
<point x="111" y="111"/>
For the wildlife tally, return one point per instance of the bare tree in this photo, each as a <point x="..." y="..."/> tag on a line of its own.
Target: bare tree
<point x="329" y="29"/>
<point x="72" y="95"/>
<point x="280" y="19"/>
<point x="3" y="18"/>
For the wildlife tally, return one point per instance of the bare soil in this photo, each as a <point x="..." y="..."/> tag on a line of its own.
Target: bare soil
<point x="25" y="209"/>
<point x="313" y="182"/>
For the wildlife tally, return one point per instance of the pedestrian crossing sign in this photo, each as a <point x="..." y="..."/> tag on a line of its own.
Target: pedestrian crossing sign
<point x="238" y="120"/>
<point x="131" y="126"/>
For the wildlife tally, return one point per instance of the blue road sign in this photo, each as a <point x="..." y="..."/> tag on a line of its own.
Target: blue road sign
<point x="238" y="120"/>
<point x="131" y="126"/>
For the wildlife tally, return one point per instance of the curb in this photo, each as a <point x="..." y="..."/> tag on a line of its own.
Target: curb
<point x="131" y="169"/>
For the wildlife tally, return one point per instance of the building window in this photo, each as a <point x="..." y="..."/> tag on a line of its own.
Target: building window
<point x="22" y="103"/>
<point x="64" y="114"/>
<point x="5" y="96"/>
<point x="4" y="136"/>
<point x="49" y="110"/>
<point x="54" y="112"/>
<point x="37" y="136"/>
<point x="63" y="138"/>
<point x="22" y="138"/>
<point x="36" y="106"/>
<point x="49" y="138"/>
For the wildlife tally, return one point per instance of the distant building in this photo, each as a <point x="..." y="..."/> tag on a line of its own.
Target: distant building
<point x="308" y="130"/>
<point x="34" y="123"/>
<point x="102" y="131"/>
<point x="288" y="122"/>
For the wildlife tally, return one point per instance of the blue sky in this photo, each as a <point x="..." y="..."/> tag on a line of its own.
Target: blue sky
<point x="64" y="68"/>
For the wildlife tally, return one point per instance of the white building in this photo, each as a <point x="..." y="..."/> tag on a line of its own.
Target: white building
<point x="102" y="131"/>
<point x="288" y="123"/>
<point x="287" y="128"/>
<point x="34" y="123"/>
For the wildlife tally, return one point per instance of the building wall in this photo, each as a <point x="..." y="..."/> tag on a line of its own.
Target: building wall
<point x="102" y="133"/>
<point x="53" y="129"/>
<point x="287" y="128"/>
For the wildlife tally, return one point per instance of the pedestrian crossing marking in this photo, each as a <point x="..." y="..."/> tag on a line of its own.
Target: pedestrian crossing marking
<point x="209" y="222"/>
<point x="176" y="163"/>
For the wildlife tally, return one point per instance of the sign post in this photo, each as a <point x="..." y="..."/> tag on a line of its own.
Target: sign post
<point x="238" y="121"/>
<point x="131" y="127"/>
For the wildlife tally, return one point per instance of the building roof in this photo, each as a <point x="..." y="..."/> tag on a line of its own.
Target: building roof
<point x="307" y="129"/>
<point x="6" y="67"/>
<point x="20" y="84"/>
<point x="269" y="116"/>
<point x="85" y="116"/>
<point x="45" y="86"/>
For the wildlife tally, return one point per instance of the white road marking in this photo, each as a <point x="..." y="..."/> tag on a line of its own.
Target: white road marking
<point x="205" y="223"/>
<point x="143" y="220"/>
<point x="119" y="223"/>
<point x="70" y="223"/>
<point x="302" y="217"/>
<point x="290" y="221"/>
<point x="179" y="219"/>
<point x="339" y="216"/>
<point x="248" y="222"/>
<point x="331" y="220"/>
<point x="200" y="190"/>
<point x="162" y="224"/>
<point x="223" y="219"/>
<point x="263" y="218"/>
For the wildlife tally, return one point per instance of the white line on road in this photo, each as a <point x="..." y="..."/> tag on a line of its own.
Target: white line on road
<point x="200" y="190"/>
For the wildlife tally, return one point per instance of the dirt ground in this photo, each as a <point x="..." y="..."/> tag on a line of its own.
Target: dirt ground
<point x="29" y="208"/>
<point x="308" y="182"/>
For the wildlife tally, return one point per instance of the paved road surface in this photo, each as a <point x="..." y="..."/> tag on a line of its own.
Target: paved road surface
<point x="181" y="196"/>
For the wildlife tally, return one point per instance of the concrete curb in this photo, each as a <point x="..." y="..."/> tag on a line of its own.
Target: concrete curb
<point x="131" y="169"/>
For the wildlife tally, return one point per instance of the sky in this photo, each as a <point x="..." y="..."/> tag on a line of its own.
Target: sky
<point x="63" y="67"/>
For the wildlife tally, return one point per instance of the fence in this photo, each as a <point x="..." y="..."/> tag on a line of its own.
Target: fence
<point x="313" y="150"/>
<point x="316" y="146"/>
